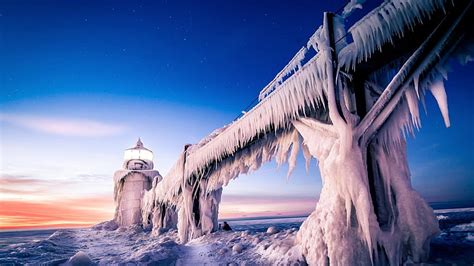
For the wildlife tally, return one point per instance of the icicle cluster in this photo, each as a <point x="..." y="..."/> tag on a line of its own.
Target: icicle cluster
<point x="428" y="75"/>
<point x="168" y="189"/>
<point x="283" y="146"/>
<point x="383" y="24"/>
<point x="305" y="89"/>
<point x="294" y="65"/>
<point x="405" y="119"/>
<point x="344" y="227"/>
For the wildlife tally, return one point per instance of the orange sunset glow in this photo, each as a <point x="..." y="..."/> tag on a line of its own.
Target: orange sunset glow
<point x="29" y="203"/>
<point x="32" y="203"/>
<point x="55" y="214"/>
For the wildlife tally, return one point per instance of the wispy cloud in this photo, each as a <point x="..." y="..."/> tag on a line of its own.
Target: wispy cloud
<point x="93" y="177"/>
<point x="63" y="126"/>
<point x="12" y="180"/>
<point x="27" y="202"/>
<point x="77" y="212"/>
<point x="26" y="188"/>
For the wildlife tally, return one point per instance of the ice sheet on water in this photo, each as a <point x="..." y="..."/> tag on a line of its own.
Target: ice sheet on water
<point x="442" y="217"/>
<point x="470" y="237"/>
<point x="454" y="245"/>
<point x="467" y="227"/>
<point x="106" y="247"/>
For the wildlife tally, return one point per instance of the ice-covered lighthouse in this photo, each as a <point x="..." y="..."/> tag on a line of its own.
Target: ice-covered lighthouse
<point x="131" y="182"/>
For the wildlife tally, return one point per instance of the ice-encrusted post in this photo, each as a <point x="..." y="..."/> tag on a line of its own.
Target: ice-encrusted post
<point x="164" y="216"/>
<point x="367" y="211"/>
<point x="197" y="209"/>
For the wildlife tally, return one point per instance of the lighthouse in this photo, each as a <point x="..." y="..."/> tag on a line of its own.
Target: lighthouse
<point x="131" y="182"/>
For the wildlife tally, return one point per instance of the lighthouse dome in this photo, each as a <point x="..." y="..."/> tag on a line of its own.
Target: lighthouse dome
<point x="138" y="157"/>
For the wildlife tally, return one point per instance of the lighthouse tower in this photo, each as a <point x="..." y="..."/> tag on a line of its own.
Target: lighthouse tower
<point x="131" y="182"/>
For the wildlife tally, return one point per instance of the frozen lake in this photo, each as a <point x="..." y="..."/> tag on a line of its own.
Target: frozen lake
<point x="454" y="245"/>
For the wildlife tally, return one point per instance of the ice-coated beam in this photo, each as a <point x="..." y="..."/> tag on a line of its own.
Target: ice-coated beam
<point x="428" y="52"/>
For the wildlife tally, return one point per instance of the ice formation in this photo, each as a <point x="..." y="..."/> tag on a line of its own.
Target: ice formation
<point x="130" y="184"/>
<point x="294" y="65"/>
<point x="132" y="246"/>
<point x="353" y="122"/>
<point x="80" y="259"/>
<point x="385" y="23"/>
<point x="351" y="6"/>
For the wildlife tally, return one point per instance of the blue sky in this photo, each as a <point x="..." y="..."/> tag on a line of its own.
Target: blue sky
<point x="81" y="80"/>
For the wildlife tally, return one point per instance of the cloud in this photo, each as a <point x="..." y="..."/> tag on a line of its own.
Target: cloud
<point x="22" y="187"/>
<point x="25" y="181"/>
<point x="25" y="187"/>
<point x="63" y="126"/>
<point x="27" y="202"/>
<point x="8" y="179"/>
<point x="93" y="177"/>
<point x="77" y="212"/>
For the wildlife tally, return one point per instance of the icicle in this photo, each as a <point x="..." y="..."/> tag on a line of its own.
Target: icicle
<point x="253" y="157"/>
<point x="292" y="97"/>
<point x="439" y="93"/>
<point x="307" y="156"/>
<point x="388" y="21"/>
<point x="413" y="107"/>
<point x="291" y="68"/>
<point x="295" y="145"/>
<point x="314" y="40"/>
<point x="416" y="82"/>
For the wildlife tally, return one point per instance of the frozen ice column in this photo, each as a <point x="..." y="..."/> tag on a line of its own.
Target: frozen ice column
<point x="131" y="182"/>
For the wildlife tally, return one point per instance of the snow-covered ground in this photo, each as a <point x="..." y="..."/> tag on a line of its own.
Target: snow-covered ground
<point x="251" y="242"/>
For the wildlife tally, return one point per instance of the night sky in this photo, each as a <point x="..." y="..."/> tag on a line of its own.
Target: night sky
<point x="80" y="81"/>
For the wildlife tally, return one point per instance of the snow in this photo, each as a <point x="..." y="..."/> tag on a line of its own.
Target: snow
<point x="237" y="248"/>
<point x="80" y="259"/>
<point x="441" y="217"/>
<point x="107" y="225"/>
<point x="272" y="230"/>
